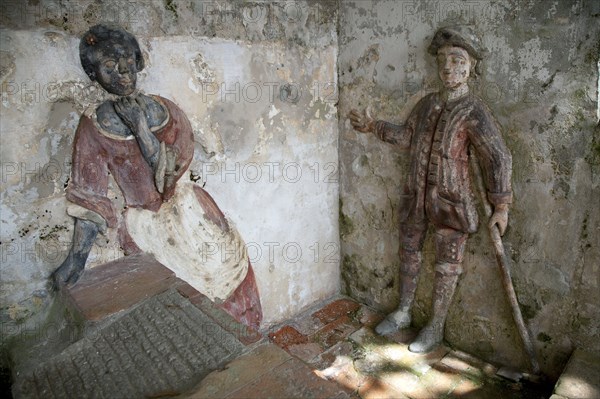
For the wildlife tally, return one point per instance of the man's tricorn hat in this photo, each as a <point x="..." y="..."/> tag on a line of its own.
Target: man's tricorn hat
<point x="458" y="36"/>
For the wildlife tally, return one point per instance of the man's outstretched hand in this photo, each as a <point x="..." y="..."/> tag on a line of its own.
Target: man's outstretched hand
<point x="363" y="122"/>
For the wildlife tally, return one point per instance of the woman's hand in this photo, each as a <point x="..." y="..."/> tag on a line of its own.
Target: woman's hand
<point x="364" y="123"/>
<point x="131" y="110"/>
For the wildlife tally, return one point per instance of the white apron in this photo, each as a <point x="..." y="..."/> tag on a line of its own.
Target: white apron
<point x="193" y="247"/>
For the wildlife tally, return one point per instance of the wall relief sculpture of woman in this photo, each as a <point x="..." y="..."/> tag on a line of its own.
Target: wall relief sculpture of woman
<point x="146" y="143"/>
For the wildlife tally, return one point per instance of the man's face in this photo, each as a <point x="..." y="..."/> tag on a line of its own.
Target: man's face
<point x="116" y="69"/>
<point x="454" y="66"/>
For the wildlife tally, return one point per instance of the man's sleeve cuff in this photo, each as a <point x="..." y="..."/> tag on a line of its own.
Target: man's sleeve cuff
<point x="500" y="198"/>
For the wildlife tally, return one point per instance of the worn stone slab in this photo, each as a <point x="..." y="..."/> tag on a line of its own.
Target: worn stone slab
<point x="373" y="388"/>
<point x="307" y="324"/>
<point x="162" y="347"/>
<point x="418" y="363"/>
<point x="439" y="383"/>
<point x="118" y="285"/>
<point x="369" y="317"/>
<point x="404" y="336"/>
<point x="335" y="331"/>
<point x="456" y="365"/>
<point x="306" y="352"/>
<point x="343" y="373"/>
<point x="367" y="337"/>
<point x="240" y="372"/>
<point x="457" y="360"/>
<point x="581" y="377"/>
<point x="341" y="350"/>
<point x="292" y="379"/>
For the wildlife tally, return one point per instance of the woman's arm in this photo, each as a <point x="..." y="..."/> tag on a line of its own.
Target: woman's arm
<point x="132" y="112"/>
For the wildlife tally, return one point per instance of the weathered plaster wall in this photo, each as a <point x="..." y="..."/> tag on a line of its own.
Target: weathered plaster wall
<point x="258" y="82"/>
<point x="254" y="140"/>
<point x="540" y="79"/>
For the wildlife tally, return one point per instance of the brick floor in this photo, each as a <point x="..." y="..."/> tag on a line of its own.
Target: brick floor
<point x="268" y="372"/>
<point x="371" y="366"/>
<point x="178" y="344"/>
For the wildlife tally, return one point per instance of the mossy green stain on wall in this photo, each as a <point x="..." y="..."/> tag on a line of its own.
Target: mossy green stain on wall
<point x="171" y="6"/>
<point x="543" y="337"/>
<point x="346" y="224"/>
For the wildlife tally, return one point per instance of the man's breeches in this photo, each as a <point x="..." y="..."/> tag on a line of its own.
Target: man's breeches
<point x="449" y="249"/>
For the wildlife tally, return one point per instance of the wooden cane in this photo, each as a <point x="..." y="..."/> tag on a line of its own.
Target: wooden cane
<point x="504" y="265"/>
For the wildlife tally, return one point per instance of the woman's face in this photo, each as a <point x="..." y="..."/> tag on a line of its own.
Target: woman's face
<point x="116" y="69"/>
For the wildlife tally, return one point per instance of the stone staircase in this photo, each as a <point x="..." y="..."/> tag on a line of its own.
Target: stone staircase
<point x="135" y="331"/>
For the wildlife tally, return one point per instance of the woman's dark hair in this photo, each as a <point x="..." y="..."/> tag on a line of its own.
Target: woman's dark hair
<point x="102" y="37"/>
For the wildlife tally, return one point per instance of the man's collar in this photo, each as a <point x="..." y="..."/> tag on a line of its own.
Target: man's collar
<point x="452" y="95"/>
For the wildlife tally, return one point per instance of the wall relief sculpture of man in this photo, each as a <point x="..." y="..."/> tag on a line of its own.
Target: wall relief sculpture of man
<point x="146" y="143"/>
<point x="440" y="134"/>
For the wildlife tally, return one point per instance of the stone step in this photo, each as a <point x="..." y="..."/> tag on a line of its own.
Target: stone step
<point x="162" y="347"/>
<point x="580" y="378"/>
<point x="132" y="329"/>
<point x="117" y="286"/>
<point x="102" y="295"/>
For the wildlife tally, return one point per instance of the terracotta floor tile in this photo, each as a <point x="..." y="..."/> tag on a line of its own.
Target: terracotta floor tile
<point x="286" y="336"/>
<point x="335" y="310"/>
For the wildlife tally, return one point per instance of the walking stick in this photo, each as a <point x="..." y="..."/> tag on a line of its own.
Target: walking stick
<point x="504" y="265"/>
